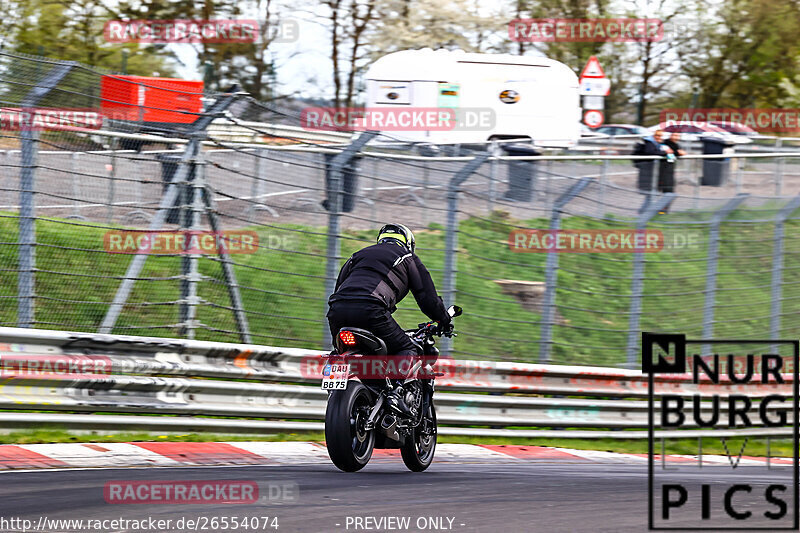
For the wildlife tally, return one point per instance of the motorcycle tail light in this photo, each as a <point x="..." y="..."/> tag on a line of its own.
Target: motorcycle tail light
<point x="347" y="338"/>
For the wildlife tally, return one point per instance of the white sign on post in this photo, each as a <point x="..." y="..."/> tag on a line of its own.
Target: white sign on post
<point x="595" y="86"/>
<point x="593" y="102"/>
<point x="592" y="69"/>
<point x="593" y="118"/>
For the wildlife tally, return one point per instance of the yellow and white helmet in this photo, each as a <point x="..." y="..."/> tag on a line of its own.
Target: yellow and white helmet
<point x="399" y="233"/>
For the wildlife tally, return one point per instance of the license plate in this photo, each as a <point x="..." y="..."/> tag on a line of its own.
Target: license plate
<point x="334" y="376"/>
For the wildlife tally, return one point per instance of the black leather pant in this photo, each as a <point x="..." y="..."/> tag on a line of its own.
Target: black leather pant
<point x="374" y="318"/>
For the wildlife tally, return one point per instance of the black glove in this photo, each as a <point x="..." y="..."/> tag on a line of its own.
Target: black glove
<point x="446" y="328"/>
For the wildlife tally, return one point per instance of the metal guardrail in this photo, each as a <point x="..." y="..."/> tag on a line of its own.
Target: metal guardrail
<point x="231" y="129"/>
<point x="188" y="383"/>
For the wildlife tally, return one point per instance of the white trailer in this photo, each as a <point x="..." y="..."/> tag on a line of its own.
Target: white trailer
<point x="528" y="97"/>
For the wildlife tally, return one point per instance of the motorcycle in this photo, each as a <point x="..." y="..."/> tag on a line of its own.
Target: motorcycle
<point x="363" y="414"/>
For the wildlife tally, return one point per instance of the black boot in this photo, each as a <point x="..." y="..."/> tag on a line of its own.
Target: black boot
<point x="396" y="401"/>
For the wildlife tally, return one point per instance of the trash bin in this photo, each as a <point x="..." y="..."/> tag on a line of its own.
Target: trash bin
<point x="521" y="174"/>
<point x="169" y="167"/>
<point x="349" y="183"/>
<point x="716" y="171"/>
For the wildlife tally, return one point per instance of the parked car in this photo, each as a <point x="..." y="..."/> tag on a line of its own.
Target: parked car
<point x="589" y="133"/>
<point x="622" y="129"/>
<point x="695" y="131"/>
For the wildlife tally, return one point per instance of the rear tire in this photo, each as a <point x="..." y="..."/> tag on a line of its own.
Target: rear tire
<point x="418" y="449"/>
<point x="349" y="445"/>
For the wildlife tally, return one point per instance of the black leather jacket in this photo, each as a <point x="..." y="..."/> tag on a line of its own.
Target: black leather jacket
<point x="386" y="273"/>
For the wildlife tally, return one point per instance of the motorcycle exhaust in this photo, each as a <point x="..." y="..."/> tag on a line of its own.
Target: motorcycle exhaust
<point x="389" y="426"/>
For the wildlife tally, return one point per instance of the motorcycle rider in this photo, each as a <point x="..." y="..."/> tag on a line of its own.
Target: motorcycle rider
<point x="371" y="284"/>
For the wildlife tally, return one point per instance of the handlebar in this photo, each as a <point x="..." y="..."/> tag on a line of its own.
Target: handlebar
<point x="432" y="328"/>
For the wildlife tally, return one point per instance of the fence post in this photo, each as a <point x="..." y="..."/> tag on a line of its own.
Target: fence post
<point x="112" y="181"/>
<point x="711" y="268"/>
<point x="451" y="236"/>
<point x="27" y="174"/>
<point x="696" y="172"/>
<point x="495" y="150"/>
<point x="550" y="275"/>
<point x="647" y="212"/>
<point x="225" y="261"/>
<point x="255" y="189"/>
<point x="601" y="205"/>
<point x="776" y="286"/>
<point x="337" y="165"/>
<point x="739" y="174"/>
<point x="76" y="205"/>
<point x="190" y="275"/>
<point x="778" y="169"/>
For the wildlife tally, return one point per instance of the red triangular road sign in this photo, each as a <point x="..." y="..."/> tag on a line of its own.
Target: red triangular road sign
<point x="593" y="69"/>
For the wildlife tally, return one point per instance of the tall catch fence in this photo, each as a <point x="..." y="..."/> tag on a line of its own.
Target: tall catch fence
<point x="92" y="215"/>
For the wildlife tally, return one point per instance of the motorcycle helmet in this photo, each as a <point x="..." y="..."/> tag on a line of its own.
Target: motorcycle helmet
<point x="399" y="233"/>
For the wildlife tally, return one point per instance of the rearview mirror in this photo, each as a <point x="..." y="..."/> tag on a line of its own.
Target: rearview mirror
<point x="454" y="311"/>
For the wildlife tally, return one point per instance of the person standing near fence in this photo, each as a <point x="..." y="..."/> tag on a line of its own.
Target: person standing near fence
<point x="648" y="146"/>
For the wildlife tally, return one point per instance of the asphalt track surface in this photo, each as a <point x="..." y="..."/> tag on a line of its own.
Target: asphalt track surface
<point x="544" y="496"/>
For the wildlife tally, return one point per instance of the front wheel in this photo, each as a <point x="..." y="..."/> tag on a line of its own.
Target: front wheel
<point x="349" y="444"/>
<point x="418" y="449"/>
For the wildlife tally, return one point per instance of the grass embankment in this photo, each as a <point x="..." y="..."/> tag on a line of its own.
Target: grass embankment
<point x="754" y="447"/>
<point x="283" y="290"/>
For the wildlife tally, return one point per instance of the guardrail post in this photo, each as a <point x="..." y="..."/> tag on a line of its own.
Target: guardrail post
<point x="647" y="212"/>
<point x="179" y="180"/>
<point x="27" y="222"/>
<point x="776" y="285"/>
<point x="337" y="165"/>
<point x="451" y="236"/>
<point x="551" y="270"/>
<point x="711" y="269"/>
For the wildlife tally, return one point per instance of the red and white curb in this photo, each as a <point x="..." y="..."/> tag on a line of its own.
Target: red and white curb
<point x="166" y="454"/>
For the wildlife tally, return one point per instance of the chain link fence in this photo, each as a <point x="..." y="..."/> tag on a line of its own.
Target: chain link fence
<point x="231" y="222"/>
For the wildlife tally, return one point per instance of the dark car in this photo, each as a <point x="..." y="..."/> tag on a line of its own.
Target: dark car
<point x="622" y="129"/>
